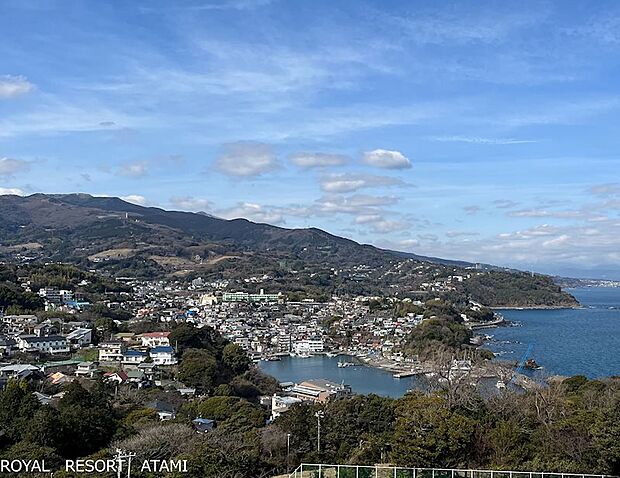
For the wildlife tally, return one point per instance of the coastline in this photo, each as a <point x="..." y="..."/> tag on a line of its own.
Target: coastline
<point x="538" y="307"/>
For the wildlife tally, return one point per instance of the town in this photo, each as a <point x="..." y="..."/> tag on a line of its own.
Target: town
<point x="123" y="336"/>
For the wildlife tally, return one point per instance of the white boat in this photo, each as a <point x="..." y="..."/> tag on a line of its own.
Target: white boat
<point x="345" y="364"/>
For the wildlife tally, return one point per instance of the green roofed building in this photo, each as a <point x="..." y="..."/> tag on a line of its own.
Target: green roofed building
<point x="246" y="297"/>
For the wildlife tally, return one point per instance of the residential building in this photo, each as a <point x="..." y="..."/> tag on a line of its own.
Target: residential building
<point x="8" y="346"/>
<point x="163" y="356"/>
<point x="51" y="295"/>
<point x="80" y="337"/>
<point x="51" y="344"/>
<point x="280" y="404"/>
<point x="134" y="357"/>
<point x="164" y="410"/>
<point x="203" y="425"/>
<point x="310" y="345"/>
<point x="319" y="391"/>
<point x="86" y="369"/>
<point x="155" y="339"/>
<point x="112" y="351"/>
<point x="20" y="371"/>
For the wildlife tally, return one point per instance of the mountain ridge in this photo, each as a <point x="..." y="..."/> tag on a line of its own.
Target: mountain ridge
<point x="238" y="230"/>
<point x="125" y="239"/>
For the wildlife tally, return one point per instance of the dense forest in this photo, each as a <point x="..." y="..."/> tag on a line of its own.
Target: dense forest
<point x="516" y="289"/>
<point x="572" y="426"/>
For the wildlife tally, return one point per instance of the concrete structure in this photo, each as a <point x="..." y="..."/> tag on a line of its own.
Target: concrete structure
<point x="134" y="357"/>
<point x="163" y="356"/>
<point x="319" y="391"/>
<point x="280" y="404"/>
<point x="246" y="297"/>
<point x="155" y="339"/>
<point x="111" y="351"/>
<point x="51" y="344"/>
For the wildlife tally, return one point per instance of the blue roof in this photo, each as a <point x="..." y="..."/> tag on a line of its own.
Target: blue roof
<point x="135" y="353"/>
<point x="162" y="349"/>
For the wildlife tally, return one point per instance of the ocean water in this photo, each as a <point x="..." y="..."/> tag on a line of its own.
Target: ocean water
<point x="564" y="342"/>
<point x="362" y="379"/>
<point x="567" y="341"/>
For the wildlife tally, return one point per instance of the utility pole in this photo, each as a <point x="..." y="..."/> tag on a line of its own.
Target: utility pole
<point x="320" y="414"/>
<point x="120" y="456"/>
<point x="288" y="451"/>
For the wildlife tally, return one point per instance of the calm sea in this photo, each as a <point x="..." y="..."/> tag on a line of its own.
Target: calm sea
<point x="568" y="341"/>
<point x="565" y="342"/>
<point x="362" y="379"/>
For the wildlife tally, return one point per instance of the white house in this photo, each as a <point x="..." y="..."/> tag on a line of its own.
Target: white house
<point x="86" y="369"/>
<point x="311" y="345"/>
<point x="155" y="339"/>
<point x="163" y="356"/>
<point x="280" y="404"/>
<point x="111" y="351"/>
<point x="80" y="337"/>
<point x="50" y="344"/>
<point x="134" y="357"/>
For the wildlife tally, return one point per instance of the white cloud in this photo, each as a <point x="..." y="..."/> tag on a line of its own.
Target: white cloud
<point x="253" y="212"/>
<point x="135" y="199"/>
<point x="387" y="226"/>
<point x="54" y="115"/>
<point x="345" y="183"/>
<point x="368" y="218"/>
<point x="12" y="86"/>
<point x="137" y="169"/>
<point x="317" y="160"/>
<point x="190" y="203"/>
<point x="471" y="210"/>
<point x="386" y="159"/>
<point x="546" y="213"/>
<point x="408" y="243"/>
<point x="479" y="140"/>
<point x="11" y="166"/>
<point x="11" y="191"/>
<point x="246" y="159"/>
<point x="355" y="204"/>
<point x="556" y="241"/>
<point x="453" y="234"/>
<point x="605" y="190"/>
<point x="505" y="203"/>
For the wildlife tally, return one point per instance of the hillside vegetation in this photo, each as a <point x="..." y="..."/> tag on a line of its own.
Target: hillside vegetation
<point x="124" y="239"/>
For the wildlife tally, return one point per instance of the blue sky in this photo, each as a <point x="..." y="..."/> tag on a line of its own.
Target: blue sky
<point x="485" y="131"/>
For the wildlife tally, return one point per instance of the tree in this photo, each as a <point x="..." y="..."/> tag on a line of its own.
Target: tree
<point x="159" y="442"/>
<point x="235" y="359"/>
<point x="428" y="434"/>
<point x="186" y="336"/>
<point x="198" y="369"/>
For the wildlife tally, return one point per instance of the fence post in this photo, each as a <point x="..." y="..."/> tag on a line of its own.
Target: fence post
<point x="320" y="471"/>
